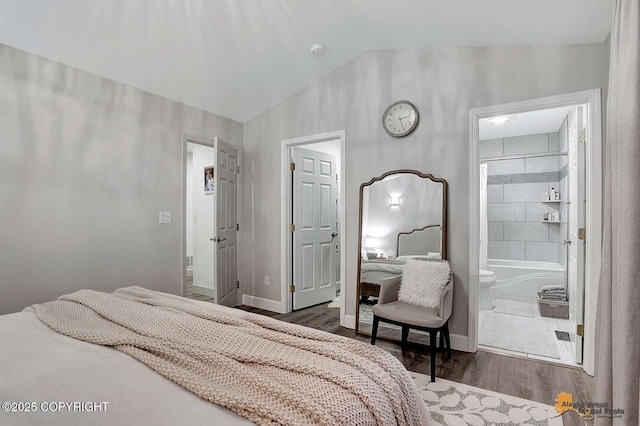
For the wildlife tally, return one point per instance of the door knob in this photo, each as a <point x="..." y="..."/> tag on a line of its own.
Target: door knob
<point x="566" y="242"/>
<point x="333" y="235"/>
<point x="217" y="239"/>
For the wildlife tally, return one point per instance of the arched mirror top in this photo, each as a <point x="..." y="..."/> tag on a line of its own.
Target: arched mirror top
<point x="401" y="207"/>
<point x="403" y="171"/>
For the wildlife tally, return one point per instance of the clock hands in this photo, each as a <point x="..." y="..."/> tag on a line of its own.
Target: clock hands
<point x="401" y="123"/>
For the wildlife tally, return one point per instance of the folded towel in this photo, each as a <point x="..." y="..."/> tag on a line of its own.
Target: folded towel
<point x="543" y="297"/>
<point x="555" y="299"/>
<point x="554" y="293"/>
<point x="559" y="296"/>
<point x="552" y="288"/>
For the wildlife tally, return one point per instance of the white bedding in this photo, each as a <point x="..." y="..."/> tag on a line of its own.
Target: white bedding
<point x="391" y="266"/>
<point x="39" y="365"/>
<point x="383" y="265"/>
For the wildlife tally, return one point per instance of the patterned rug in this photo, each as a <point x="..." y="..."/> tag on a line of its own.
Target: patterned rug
<point x="366" y="313"/>
<point x="456" y="404"/>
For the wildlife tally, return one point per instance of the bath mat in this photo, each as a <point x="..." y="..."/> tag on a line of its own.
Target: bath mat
<point x="451" y="403"/>
<point x="520" y="334"/>
<point x="514" y="308"/>
<point x="335" y="303"/>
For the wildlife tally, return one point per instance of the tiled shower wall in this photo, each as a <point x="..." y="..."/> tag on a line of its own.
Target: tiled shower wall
<point x="515" y="193"/>
<point x="563" y="164"/>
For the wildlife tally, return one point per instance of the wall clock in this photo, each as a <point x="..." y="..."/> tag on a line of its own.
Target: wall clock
<point x="400" y="119"/>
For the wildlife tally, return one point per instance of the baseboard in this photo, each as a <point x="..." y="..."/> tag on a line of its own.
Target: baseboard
<point x="204" y="291"/>
<point x="349" y="322"/>
<point x="459" y="343"/>
<point x="260" y="303"/>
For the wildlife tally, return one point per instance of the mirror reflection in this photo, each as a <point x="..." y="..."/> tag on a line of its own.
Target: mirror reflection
<point x="402" y="217"/>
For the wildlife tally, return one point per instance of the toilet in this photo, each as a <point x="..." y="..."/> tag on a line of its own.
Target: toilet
<point x="487" y="280"/>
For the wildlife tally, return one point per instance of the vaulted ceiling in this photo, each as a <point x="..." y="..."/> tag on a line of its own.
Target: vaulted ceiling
<point x="238" y="58"/>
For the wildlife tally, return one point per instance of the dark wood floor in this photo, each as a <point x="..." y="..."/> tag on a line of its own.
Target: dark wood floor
<point x="524" y="378"/>
<point x="193" y="295"/>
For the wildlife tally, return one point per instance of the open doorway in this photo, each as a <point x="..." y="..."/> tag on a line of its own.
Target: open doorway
<point x="313" y="217"/>
<point x="200" y="210"/>
<point x="211" y="173"/>
<point x="537" y="198"/>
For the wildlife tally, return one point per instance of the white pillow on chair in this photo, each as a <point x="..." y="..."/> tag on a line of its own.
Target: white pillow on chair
<point x="423" y="282"/>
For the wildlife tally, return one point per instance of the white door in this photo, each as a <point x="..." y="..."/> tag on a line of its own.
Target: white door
<point x="315" y="220"/>
<point x="576" y="222"/>
<point x="226" y="222"/>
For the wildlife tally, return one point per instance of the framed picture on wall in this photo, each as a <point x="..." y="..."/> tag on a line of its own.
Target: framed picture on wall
<point x="209" y="184"/>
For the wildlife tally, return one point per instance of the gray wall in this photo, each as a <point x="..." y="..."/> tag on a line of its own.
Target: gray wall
<point x="444" y="84"/>
<point x="515" y="192"/>
<point x="85" y="166"/>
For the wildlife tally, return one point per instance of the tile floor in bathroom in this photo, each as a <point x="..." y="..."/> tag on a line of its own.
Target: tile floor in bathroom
<point x="564" y="347"/>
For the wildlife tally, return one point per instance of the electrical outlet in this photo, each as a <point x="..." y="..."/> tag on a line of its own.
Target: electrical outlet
<point x="164" y="217"/>
<point x="266" y="280"/>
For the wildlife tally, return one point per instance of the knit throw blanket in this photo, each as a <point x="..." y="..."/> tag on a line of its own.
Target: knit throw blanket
<point x="265" y="370"/>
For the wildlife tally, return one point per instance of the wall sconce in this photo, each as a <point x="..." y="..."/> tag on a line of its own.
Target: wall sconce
<point x="395" y="200"/>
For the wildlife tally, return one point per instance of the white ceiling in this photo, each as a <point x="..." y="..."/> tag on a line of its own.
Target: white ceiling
<point x="237" y="58"/>
<point x="525" y="123"/>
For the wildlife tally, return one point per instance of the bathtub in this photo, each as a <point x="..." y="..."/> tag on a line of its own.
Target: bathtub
<point x="520" y="280"/>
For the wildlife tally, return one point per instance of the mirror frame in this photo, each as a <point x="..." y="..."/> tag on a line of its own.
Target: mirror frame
<point x="444" y="225"/>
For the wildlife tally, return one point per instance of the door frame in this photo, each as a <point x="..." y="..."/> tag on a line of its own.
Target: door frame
<point x="212" y="143"/>
<point x="594" y="192"/>
<point x="285" y="217"/>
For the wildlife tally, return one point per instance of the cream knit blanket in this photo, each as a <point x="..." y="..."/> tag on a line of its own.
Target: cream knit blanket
<point x="265" y="370"/>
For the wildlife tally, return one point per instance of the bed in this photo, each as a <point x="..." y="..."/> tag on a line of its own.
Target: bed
<point x="43" y="371"/>
<point x="419" y="242"/>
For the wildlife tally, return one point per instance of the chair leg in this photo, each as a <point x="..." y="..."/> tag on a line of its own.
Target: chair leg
<point x="432" y="356"/>
<point x="441" y="344"/>
<point x="374" y="330"/>
<point x="447" y="339"/>
<point x="405" y="334"/>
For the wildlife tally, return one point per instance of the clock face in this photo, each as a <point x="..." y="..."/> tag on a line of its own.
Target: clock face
<point x="400" y="119"/>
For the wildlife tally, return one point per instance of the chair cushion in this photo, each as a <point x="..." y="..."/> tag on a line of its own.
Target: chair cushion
<point x="409" y="314"/>
<point x="423" y="282"/>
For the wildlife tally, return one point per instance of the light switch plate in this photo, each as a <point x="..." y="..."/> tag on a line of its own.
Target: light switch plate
<point x="164" y="218"/>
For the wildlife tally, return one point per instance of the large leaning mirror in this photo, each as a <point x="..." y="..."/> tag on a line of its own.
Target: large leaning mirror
<point x="403" y="215"/>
